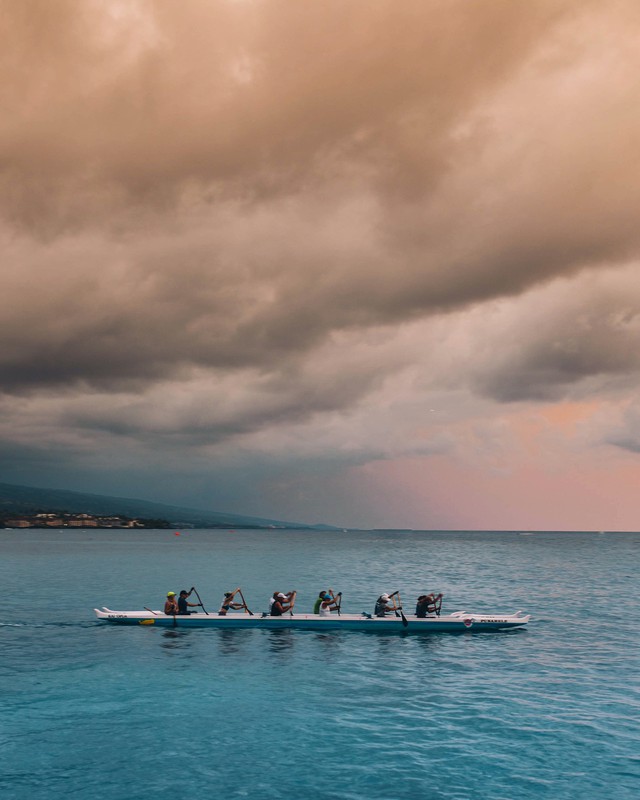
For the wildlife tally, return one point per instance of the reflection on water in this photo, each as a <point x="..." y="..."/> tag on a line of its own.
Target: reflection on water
<point x="176" y="641"/>
<point x="429" y="645"/>
<point x="281" y="642"/>
<point x="330" y="641"/>
<point x="231" y="641"/>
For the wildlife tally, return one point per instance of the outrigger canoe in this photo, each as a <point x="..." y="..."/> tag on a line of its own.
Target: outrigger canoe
<point x="449" y="623"/>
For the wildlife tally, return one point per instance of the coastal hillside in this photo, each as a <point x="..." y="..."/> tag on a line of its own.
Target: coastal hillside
<point x="16" y="500"/>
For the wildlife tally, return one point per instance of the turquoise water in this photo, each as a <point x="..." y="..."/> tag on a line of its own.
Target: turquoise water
<point x="95" y="711"/>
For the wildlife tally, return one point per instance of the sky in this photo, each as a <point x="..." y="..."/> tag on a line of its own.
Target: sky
<point x="372" y="264"/>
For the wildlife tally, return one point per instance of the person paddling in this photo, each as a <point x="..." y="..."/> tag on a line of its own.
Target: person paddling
<point x="428" y="604"/>
<point x="282" y="603"/>
<point x="320" y="598"/>
<point x="228" y="604"/>
<point x="328" y="603"/>
<point x="385" y="605"/>
<point x="170" y="605"/>
<point x="322" y="595"/>
<point x="183" y="605"/>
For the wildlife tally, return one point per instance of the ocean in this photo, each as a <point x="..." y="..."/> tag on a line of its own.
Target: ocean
<point x="90" y="710"/>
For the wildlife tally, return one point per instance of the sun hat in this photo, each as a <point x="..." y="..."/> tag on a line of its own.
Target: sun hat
<point x="170" y="594"/>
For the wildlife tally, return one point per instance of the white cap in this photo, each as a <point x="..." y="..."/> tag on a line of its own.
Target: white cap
<point x="384" y="596"/>
<point x="284" y="596"/>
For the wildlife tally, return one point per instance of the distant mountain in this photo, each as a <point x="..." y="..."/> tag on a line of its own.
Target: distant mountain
<point x="16" y="500"/>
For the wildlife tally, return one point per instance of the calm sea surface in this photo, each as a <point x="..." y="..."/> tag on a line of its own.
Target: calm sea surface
<point x="90" y="710"/>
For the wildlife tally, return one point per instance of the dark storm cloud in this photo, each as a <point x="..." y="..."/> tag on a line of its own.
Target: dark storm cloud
<point x="226" y="185"/>
<point x="216" y="411"/>
<point x="565" y="342"/>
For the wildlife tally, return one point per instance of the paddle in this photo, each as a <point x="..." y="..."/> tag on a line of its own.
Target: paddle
<point x="435" y="606"/>
<point x="339" y="602"/>
<point x="292" y="602"/>
<point x="193" y="589"/>
<point x="405" y="621"/>
<point x="244" y="603"/>
<point x="149" y="609"/>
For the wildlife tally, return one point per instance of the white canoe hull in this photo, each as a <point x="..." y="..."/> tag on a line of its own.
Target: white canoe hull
<point x="458" y="622"/>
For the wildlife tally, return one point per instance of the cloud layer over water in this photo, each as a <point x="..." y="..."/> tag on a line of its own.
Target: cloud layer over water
<point x="329" y="247"/>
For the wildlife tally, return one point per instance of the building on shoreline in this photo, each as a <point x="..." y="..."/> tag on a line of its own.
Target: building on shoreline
<point x="71" y="520"/>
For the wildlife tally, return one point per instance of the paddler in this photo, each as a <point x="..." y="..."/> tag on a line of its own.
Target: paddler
<point x="385" y="605"/>
<point x="428" y="604"/>
<point x="183" y="605"/>
<point x="320" y="598"/>
<point x="323" y="596"/>
<point x="170" y="605"/>
<point x="228" y="604"/>
<point x="281" y="603"/>
<point x="328" y="602"/>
